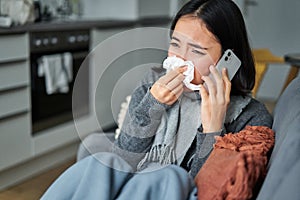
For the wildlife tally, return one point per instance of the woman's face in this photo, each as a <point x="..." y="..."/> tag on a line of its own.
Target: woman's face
<point x="192" y="41"/>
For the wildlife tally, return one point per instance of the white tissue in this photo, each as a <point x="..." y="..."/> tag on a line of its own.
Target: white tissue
<point x="174" y="62"/>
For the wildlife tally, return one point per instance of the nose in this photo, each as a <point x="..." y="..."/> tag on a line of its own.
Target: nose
<point x="180" y="56"/>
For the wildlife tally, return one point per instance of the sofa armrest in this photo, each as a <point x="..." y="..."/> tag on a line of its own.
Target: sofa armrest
<point x="283" y="177"/>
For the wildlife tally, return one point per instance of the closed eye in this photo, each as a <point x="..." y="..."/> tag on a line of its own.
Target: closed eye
<point x="174" y="44"/>
<point x="195" y="51"/>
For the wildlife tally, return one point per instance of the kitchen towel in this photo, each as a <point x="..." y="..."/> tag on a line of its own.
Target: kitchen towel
<point x="174" y="62"/>
<point x="58" y="72"/>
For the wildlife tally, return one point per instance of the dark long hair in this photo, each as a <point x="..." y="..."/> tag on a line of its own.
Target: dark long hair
<point x="224" y="19"/>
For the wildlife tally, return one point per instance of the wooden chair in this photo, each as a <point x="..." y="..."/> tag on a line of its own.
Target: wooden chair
<point x="262" y="59"/>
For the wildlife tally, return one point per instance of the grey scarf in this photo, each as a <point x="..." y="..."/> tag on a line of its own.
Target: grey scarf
<point x="177" y="129"/>
<point x="176" y="132"/>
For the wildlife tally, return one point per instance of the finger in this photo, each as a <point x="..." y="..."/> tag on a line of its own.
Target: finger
<point x="215" y="73"/>
<point x="178" y="91"/>
<point x="175" y="82"/>
<point x="173" y="95"/>
<point x="171" y="75"/>
<point x="209" y="84"/>
<point x="203" y="93"/>
<point x="227" y="84"/>
<point x="159" y="91"/>
<point x="168" y="77"/>
<point x="181" y="69"/>
<point x="225" y="76"/>
<point x="220" y="86"/>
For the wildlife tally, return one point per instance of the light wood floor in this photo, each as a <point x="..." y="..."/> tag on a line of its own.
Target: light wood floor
<point x="33" y="188"/>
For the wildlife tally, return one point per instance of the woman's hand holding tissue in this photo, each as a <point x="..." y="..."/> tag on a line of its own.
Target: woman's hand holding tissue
<point x="214" y="103"/>
<point x="169" y="87"/>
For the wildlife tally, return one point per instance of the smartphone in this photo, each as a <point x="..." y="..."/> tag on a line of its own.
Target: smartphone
<point x="229" y="61"/>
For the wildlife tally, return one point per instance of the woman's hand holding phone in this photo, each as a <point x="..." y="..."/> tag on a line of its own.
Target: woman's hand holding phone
<point x="216" y="91"/>
<point x="215" y="102"/>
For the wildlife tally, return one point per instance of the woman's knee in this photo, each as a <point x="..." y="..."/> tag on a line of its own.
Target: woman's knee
<point x="170" y="182"/>
<point x="94" y="143"/>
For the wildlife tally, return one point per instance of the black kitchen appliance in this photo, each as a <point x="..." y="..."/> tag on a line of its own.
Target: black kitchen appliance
<point x="55" y="109"/>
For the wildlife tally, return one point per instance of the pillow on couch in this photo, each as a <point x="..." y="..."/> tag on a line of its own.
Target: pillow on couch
<point x="121" y="115"/>
<point x="237" y="165"/>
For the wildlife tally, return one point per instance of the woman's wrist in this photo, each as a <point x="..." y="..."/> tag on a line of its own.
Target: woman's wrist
<point x="203" y="130"/>
<point x="212" y="129"/>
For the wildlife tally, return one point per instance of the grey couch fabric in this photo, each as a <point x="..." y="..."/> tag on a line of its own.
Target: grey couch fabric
<point x="283" y="178"/>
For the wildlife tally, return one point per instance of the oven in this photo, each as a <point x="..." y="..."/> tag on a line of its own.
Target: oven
<point x="52" y="106"/>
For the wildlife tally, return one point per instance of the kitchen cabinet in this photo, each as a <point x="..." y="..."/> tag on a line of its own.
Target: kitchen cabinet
<point x="15" y="121"/>
<point x="23" y="154"/>
<point x="19" y="148"/>
<point x="115" y="68"/>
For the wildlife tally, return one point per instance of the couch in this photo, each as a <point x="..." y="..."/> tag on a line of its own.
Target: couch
<point x="283" y="177"/>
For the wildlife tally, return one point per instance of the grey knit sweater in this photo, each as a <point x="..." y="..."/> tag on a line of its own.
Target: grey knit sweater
<point x="143" y="119"/>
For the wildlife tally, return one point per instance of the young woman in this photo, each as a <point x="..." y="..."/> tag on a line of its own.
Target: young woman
<point x="173" y="125"/>
<point x="168" y="132"/>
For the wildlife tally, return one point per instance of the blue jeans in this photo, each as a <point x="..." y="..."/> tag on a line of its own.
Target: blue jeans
<point x="107" y="176"/>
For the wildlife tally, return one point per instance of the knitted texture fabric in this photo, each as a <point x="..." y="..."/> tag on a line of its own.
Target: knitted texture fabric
<point x="236" y="165"/>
